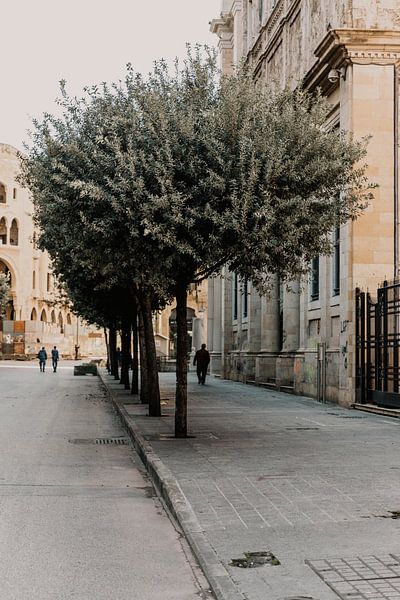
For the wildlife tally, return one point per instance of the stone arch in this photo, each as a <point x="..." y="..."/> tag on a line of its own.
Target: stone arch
<point x="33" y="314"/>
<point x="3" y="195"/>
<point x="43" y="316"/>
<point x="7" y="270"/>
<point x="3" y="230"/>
<point x="53" y="317"/>
<point x="69" y="320"/>
<point x="14" y="232"/>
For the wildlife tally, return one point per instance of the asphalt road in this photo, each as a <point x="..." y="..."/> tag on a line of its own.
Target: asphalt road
<point x="78" y="519"/>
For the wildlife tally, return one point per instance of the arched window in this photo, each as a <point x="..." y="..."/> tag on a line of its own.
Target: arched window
<point x="43" y="316"/>
<point x="14" y="233"/>
<point x="33" y="315"/>
<point x="3" y="230"/>
<point x="4" y="269"/>
<point x="61" y="322"/>
<point x="3" y="197"/>
<point x="34" y="280"/>
<point x="68" y="319"/>
<point x="53" y="316"/>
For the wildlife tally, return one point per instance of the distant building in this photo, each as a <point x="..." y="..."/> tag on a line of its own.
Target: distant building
<point x="164" y="323"/>
<point x="305" y="339"/>
<point x="33" y="317"/>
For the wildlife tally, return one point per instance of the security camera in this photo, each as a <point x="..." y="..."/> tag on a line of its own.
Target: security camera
<point x="333" y="76"/>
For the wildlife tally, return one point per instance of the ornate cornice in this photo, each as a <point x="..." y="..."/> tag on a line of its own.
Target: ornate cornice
<point x="358" y="46"/>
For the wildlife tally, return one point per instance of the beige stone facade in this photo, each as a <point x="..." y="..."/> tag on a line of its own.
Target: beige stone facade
<point x="304" y="339"/>
<point x="33" y="317"/>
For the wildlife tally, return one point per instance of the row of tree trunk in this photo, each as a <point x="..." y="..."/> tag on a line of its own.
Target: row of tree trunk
<point x="136" y="333"/>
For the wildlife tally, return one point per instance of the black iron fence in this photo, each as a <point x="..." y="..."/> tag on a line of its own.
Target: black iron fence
<point x="377" y="346"/>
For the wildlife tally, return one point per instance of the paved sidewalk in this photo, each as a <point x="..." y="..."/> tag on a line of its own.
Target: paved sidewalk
<point x="316" y="485"/>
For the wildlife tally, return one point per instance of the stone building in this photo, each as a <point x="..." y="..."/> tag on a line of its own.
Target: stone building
<point x="304" y="339"/>
<point x="33" y="317"/>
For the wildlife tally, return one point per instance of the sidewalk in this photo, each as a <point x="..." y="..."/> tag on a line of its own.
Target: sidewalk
<point x="316" y="485"/>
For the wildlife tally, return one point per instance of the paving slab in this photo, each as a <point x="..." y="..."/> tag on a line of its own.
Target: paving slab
<point x="271" y="472"/>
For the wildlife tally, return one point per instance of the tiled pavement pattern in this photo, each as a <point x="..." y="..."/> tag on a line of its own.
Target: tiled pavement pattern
<point x="361" y="578"/>
<point x="270" y="471"/>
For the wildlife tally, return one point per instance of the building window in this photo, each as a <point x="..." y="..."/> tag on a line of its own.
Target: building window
<point x="34" y="280"/>
<point x="48" y="284"/>
<point x="314" y="287"/>
<point x="260" y="10"/>
<point x="61" y="322"/>
<point x="14" y="233"/>
<point x="245" y="299"/>
<point x="69" y="320"/>
<point x="43" y="316"/>
<point x="3" y="231"/>
<point x="15" y="193"/>
<point x="33" y="315"/>
<point x="3" y="196"/>
<point x="235" y="303"/>
<point x="336" y="262"/>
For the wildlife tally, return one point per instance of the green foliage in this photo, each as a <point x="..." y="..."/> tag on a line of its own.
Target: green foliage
<point x="159" y="180"/>
<point x="4" y="293"/>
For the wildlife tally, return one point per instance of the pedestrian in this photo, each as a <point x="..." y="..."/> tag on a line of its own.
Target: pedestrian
<point x="42" y="356"/>
<point x="202" y="360"/>
<point x="54" y="358"/>
<point x="118" y="356"/>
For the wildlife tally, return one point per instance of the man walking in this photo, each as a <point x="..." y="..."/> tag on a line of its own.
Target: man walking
<point x="202" y="360"/>
<point x="54" y="358"/>
<point x="42" y="356"/>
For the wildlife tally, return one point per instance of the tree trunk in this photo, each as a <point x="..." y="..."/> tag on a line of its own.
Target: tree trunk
<point x="152" y="372"/>
<point x="108" y="364"/>
<point x="181" y="362"/>
<point x="126" y="352"/>
<point x="144" y="385"/>
<point x="135" y="357"/>
<point x="113" y="352"/>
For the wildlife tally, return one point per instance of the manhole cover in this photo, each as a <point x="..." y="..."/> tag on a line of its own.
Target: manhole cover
<point x="361" y="577"/>
<point x="252" y="560"/>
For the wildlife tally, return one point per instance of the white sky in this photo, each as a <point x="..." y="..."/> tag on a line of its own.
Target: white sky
<point x="84" y="42"/>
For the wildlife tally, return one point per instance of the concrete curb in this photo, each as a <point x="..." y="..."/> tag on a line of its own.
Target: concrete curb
<point x="170" y="491"/>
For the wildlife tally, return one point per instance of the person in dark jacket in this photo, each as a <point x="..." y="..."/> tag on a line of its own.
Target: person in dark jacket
<point x="42" y="356"/>
<point x="202" y="360"/>
<point x="54" y="358"/>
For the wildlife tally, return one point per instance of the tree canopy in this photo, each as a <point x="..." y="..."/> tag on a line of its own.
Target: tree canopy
<point x="156" y="182"/>
<point x="4" y="293"/>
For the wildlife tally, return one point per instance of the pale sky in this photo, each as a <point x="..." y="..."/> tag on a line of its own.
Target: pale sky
<point x="85" y="42"/>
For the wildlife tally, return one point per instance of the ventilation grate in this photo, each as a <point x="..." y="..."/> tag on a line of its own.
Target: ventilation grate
<point x="112" y="440"/>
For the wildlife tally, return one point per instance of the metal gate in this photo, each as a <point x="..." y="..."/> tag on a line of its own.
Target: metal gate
<point x="377" y="346"/>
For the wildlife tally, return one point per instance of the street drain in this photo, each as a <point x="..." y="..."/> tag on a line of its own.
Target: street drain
<point x="302" y="428"/>
<point x="298" y="598"/>
<point x="253" y="560"/>
<point x="111" y="440"/>
<point x="107" y="440"/>
<point x="345" y="416"/>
